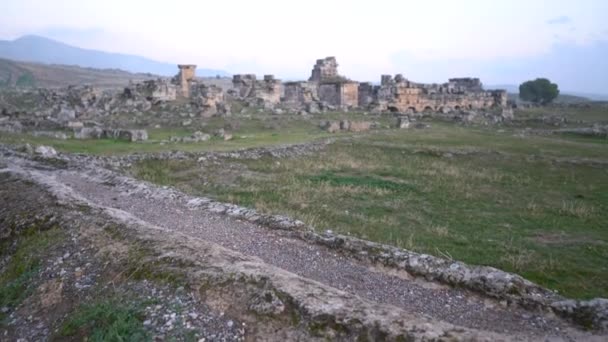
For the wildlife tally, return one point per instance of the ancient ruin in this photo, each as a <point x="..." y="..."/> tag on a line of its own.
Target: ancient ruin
<point x="462" y="99"/>
<point x="401" y="95"/>
<point x="187" y="73"/>
<point x="266" y="92"/>
<point x="326" y="89"/>
<point x="325" y="69"/>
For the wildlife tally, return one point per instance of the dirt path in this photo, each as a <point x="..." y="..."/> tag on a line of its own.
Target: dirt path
<point x="170" y="209"/>
<point x="311" y="261"/>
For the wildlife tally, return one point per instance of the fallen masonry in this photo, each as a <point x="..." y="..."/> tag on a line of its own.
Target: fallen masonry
<point x="110" y="133"/>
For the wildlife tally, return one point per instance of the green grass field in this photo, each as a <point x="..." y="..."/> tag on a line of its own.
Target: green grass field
<point x="471" y="194"/>
<point x="531" y="204"/>
<point x="592" y="113"/>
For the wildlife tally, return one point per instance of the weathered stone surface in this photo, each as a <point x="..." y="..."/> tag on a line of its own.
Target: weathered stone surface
<point x="299" y="95"/>
<point x="88" y="133"/>
<point x="122" y="134"/>
<point x="66" y="114"/>
<point x="591" y="313"/>
<point x="209" y="100"/>
<point x="197" y="136"/>
<point x="400" y="95"/>
<point x="10" y="126"/>
<point x="325" y="69"/>
<point x="75" y="124"/>
<point x="126" y="134"/>
<point x="330" y="126"/>
<point x="265" y="93"/>
<point x="45" y="151"/>
<point x="360" y="126"/>
<point x="345" y="125"/>
<point x="187" y="73"/>
<point x="342" y="95"/>
<point x="157" y="90"/>
<point x="403" y="122"/>
<point x="50" y="134"/>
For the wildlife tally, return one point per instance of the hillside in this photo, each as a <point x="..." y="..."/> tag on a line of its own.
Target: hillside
<point x="43" y="50"/>
<point x="24" y="74"/>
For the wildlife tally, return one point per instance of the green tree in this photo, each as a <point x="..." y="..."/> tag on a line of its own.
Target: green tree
<point x="540" y="91"/>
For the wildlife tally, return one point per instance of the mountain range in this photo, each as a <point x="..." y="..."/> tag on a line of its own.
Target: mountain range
<point x="39" y="49"/>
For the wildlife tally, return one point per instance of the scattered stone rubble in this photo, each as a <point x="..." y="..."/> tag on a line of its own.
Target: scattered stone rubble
<point x="197" y="136"/>
<point x="345" y="125"/>
<point x="131" y="135"/>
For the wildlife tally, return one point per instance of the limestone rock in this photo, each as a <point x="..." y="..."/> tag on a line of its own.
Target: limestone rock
<point x="88" y="133"/>
<point x="330" y="126"/>
<point x="403" y="122"/>
<point x="66" y="114"/>
<point x="360" y="126"/>
<point x="53" y="135"/>
<point x="75" y="124"/>
<point x="45" y="151"/>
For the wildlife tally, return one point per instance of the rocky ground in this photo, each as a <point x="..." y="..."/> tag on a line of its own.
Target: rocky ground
<point x="198" y="271"/>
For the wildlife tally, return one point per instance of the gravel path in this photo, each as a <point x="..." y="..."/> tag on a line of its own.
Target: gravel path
<point x="316" y="262"/>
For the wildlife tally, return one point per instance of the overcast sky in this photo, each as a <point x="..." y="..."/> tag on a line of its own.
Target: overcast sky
<point x="429" y="41"/>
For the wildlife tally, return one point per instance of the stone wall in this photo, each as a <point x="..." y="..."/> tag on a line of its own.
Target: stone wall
<point x="157" y="90"/>
<point x="349" y="97"/>
<point x="367" y="94"/>
<point x="299" y="95"/>
<point x="400" y="95"/>
<point x="342" y="95"/>
<point x="266" y="92"/>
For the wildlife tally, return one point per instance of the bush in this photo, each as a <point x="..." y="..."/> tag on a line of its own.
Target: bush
<point x="540" y="91"/>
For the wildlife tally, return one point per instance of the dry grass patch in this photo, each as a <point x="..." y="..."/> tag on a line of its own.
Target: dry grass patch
<point x="577" y="209"/>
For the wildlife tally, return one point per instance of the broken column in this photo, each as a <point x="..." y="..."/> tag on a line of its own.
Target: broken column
<point x="187" y="73"/>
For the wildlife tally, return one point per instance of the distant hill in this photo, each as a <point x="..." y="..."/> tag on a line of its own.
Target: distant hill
<point x="24" y="74"/>
<point x="43" y="50"/>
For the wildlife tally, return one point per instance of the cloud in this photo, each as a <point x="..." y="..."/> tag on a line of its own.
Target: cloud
<point x="559" y="20"/>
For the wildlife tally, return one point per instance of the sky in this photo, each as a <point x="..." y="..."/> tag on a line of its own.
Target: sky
<point x="502" y="42"/>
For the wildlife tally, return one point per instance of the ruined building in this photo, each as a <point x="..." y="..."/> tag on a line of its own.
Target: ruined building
<point x="208" y="99"/>
<point x="266" y="92"/>
<point x="325" y="87"/>
<point x="187" y="73"/>
<point x="401" y="95"/>
<point x="156" y="90"/>
<point x="324" y="69"/>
